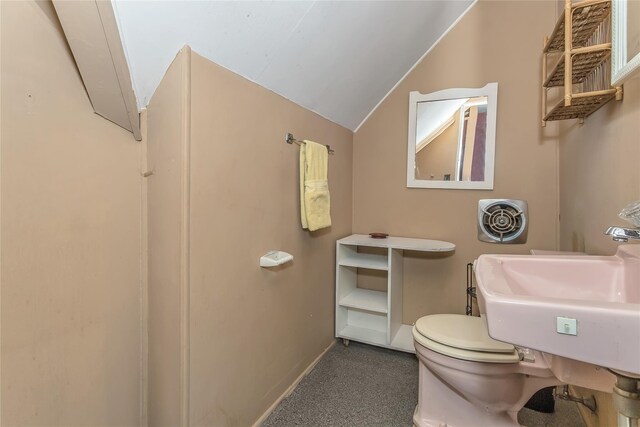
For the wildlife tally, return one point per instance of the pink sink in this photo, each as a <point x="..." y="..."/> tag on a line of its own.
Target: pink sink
<point x="585" y="308"/>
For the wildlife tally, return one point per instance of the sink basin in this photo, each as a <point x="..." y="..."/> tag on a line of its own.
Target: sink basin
<point x="527" y="299"/>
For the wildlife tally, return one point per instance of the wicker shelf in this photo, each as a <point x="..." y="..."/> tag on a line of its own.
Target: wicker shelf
<point x="582" y="40"/>
<point x="586" y="17"/>
<point x="582" y="105"/>
<point x="584" y="61"/>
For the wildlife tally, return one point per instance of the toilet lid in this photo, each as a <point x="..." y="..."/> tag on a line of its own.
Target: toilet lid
<point x="462" y="332"/>
<point x="457" y="353"/>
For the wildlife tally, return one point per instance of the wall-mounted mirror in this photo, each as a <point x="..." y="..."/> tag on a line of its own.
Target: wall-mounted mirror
<point x="625" y="50"/>
<point x="452" y="138"/>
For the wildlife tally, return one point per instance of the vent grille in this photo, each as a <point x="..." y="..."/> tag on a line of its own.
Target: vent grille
<point x="502" y="221"/>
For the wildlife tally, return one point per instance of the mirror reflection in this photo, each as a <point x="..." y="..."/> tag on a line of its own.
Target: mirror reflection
<point x="451" y="139"/>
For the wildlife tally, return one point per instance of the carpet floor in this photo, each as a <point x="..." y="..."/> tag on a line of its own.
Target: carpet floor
<point x="362" y="385"/>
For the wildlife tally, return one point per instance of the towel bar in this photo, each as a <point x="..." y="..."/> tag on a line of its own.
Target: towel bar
<point x="289" y="139"/>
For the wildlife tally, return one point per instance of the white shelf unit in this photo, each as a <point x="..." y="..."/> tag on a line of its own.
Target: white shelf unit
<point x="370" y="316"/>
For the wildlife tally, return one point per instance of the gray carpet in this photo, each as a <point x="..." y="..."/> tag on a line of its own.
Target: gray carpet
<point x="361" y="385"/>
<point x="565" y="415"/>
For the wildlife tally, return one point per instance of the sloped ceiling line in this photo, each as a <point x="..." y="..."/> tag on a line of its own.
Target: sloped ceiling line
<point x="416" y="64"/>
<point x="336" y="58"/>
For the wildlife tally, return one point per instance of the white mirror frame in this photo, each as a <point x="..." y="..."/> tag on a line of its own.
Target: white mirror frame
<point x="621" y="68"/>
<point x="491" y="92"/>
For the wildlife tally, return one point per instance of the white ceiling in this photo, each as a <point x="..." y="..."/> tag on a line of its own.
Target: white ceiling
<point x="337" y="58"/>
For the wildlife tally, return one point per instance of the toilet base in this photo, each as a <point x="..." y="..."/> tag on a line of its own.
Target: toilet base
<point x="441" y="406"/>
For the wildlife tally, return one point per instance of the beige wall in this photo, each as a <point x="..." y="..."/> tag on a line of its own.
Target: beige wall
<point x="70" y="239"/>
<point x="599" y="172"/>
<point x="251" y="331"/>
<point x="492" y="43"/>
<point x="254" y="330"/>
<point x="165" y="147"/>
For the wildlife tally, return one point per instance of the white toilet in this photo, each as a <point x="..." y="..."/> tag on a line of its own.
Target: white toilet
<point x="468" y="379"/>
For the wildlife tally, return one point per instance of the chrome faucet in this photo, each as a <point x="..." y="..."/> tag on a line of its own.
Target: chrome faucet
<point x="622" y="234"/>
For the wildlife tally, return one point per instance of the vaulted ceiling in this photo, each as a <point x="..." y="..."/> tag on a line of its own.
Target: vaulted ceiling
<point x="337" y="58"/>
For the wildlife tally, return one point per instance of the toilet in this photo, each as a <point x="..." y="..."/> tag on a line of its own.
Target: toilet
<point x="468" y="379"/>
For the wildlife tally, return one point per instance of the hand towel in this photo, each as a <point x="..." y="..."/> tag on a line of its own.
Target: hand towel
<point x="314" y="186"/>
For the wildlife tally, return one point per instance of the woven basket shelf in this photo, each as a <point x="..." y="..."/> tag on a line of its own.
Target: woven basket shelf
<point x="586" y="17"/>
<point x="583" y="40"/>
<point x="584" y="61"/>
<point x="582" y="105"/>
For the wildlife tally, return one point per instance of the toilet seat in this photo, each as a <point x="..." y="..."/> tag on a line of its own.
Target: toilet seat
<point x="462" y="337"/>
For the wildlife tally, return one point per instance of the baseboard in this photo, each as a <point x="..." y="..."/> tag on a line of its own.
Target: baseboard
<point x="288" y="391"/>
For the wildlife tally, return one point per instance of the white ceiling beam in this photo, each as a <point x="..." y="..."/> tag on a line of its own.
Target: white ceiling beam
<point x="92" y="33"/>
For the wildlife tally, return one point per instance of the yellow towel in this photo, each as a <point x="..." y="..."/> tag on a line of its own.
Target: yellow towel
<point x="314" y="186"/>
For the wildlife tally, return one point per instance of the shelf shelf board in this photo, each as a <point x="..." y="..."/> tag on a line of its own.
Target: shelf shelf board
<point x="406" y="243"/>
<point x="365" y="335"/>
<point x="365" y="299"/>
<point x="371" y="261"/>
<point x="586" y="17"/>
<point x="403" y="340"/>
<point x="584" y="61"/>
<point x="582" y="105"/>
